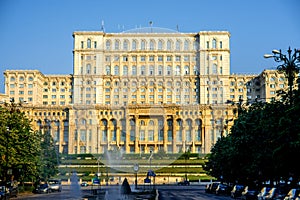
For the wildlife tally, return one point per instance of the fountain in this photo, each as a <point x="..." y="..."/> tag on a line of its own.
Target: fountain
<point x="75" y="191"/>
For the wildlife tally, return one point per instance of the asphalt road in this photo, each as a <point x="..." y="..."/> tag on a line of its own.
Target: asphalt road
<point x="172" y="192"/>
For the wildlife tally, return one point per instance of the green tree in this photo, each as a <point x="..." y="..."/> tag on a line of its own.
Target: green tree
<point x="49" y="159"/>
<point x="19" y="145"/>
<point x="262" y="145"/>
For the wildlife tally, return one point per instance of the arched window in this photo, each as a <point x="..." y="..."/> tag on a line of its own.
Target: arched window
<point x="151" y="45"/>
<point x="107" y="70"/>
<point x="169" y="45"/>
<point x="125" y="70"/>
<point x="160" y="45"/>
<point x="88" y="43"/>
<point x="12" y="78"/>
<point x="142" y="123"/>
<point x="178" y="45"/>
<point x="104" y="122"/>
<point x="214" y="44"/>
<point x="143" y="45"/>
<point x="134" y="45"/>
<point x="125" y="45"/>
<point x="186" y="45"/>
<point x="116" y="70"/>
<point x="108" y="45"/>
<point x="151" y="123"/>
<point x="179" y="122"/>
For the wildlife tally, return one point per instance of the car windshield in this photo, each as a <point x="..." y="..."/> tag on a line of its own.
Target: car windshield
<point x="53" y="181"/>
<point x="43" y="186"/>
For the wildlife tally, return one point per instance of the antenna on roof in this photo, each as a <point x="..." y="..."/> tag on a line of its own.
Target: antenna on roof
<point x="177" y="27"/>
<point x="102" y="25"/>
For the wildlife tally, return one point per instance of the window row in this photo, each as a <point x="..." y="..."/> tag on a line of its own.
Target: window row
<point x="158" y="83"/>
<point x="178" y="45"/>
<point x="150" y="70"/>
<point x="21" y="78"/>
<point x="151" y="58"/>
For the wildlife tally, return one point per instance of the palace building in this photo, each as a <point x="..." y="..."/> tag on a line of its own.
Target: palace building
<point x="142" y="90"/>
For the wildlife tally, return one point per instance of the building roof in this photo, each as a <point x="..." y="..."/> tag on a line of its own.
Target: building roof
<point x="151" y="30"/>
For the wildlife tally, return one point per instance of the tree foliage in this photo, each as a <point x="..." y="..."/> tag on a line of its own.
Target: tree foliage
<point x="22" y="149"/>
<point x="263" y="144"/>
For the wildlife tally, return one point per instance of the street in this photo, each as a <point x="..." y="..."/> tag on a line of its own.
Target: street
<point x="166" y="192"/>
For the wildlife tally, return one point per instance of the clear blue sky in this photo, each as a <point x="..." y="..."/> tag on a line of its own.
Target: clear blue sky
<point x="37" y="34"/>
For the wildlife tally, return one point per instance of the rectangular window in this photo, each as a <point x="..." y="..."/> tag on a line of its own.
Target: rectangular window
<point x="161" y="135"/>
<point x="170" y="137"/>
<point x="142" y="135"/>
<point x="150" y="135"/>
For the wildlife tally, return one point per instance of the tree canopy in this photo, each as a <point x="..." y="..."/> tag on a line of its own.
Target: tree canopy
<point x="24" y="151"/>
<point x="263" y="145"/>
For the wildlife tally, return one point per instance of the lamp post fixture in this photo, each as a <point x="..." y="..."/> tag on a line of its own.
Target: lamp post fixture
<point x="136" y="169"/>
<point x="290" y="65"/>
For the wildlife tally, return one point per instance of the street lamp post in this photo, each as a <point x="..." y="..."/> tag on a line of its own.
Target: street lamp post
<point x="6" y="155"/>
<point x="290" y="65"/>
<point x="136" y="169"/>
<point x="98" y="172"/>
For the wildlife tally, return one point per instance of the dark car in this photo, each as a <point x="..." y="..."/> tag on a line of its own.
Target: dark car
<point x="212" y="187"/>
<point x="43" y="188"/>
<point x="275" y="194"/>
<point x="292" y="194"/>
<point x="207" y="188"/>
<point x="249" y="193"/>
<point x="9" y="190"/>
<point x="237" y="191"/>
<point x="84" y="184"/>
<point x="4" y="193"/>
<point x="263" y="192"/>
<point x="223" y="189"/>
<point x="185" y="182"/>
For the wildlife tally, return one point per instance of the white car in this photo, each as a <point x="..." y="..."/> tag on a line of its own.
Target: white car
<point x="55" y="185"/>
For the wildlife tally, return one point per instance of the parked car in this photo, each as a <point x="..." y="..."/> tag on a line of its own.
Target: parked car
<point x="9" y="190"/>
<point x="223" y="189"/>
<point x="4" y="194"/>
<point x="185" y="182"/>
<point x="275" y="194"/>
<point x="43" y="188"/>
<point x="263" y="192"/>
<point x="212" y="188"/>
<point x="55" y="185"/>
<point x="249" y="193"/>
<point x="207" y="187"/>
<point x="237" y="191"/>
<point x="84" y="184"/>
<point x="292" y="194"/>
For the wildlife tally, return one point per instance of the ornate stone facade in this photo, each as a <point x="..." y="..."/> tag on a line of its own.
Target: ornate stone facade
<point x="142" y="90"/>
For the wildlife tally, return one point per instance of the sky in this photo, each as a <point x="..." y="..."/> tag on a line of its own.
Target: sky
<point x="37" y="34"/>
